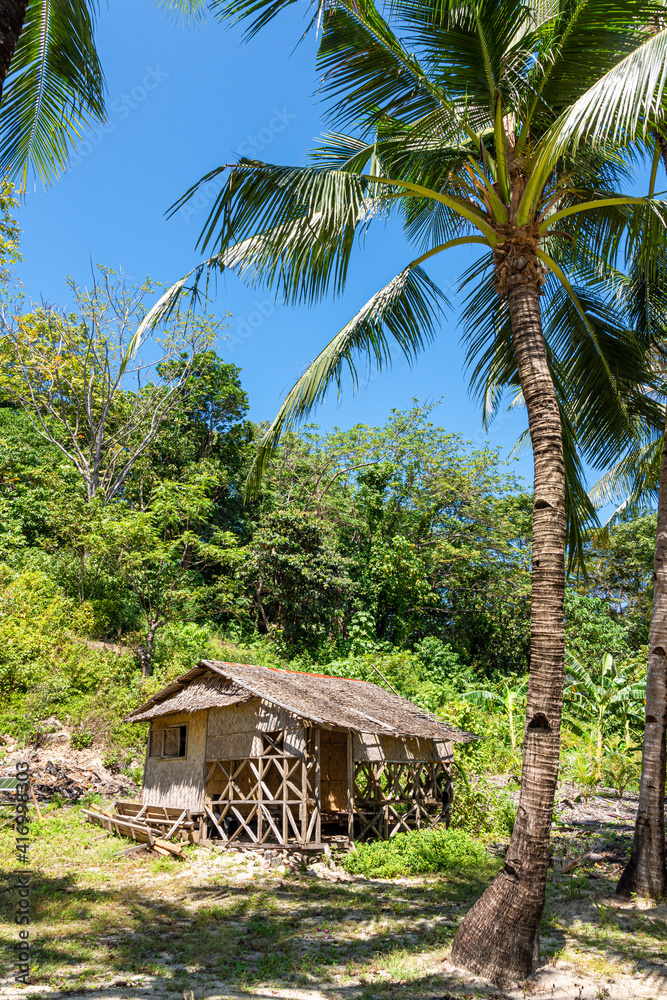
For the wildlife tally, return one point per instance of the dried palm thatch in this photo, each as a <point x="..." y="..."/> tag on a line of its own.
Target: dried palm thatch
<point x="195" y="691"/>
<point x="358" y="706"/>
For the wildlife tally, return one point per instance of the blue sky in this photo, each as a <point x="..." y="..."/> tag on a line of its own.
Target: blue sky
<point x="182" y="101"/>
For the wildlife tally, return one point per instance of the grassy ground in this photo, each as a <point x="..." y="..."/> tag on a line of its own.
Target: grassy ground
<point x="138" y="926"/>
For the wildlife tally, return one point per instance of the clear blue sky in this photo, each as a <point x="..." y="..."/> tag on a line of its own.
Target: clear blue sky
<point x="182" y="101"/>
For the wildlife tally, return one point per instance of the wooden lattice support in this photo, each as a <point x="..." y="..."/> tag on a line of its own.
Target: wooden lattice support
<point x="276" y="797"/>
<point x="395" y="796"/>
<point x="273" y="797"/>
<point x="350" y="787"/>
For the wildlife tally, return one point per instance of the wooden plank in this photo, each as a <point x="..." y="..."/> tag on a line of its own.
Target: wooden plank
<point x="303" y="807"/>
<point x="284" y="791"/>
<point x="120" y="825"/>
<point x="125" y="808"/>
<point x="318" y="788"/>
<point x="260" y="799"/>
<point x="292" y="821"/>
<point x="174" y="828"/>
<point x="209" y="813"/>
<point x="272" y="826"/>
<point x="169" y="848"/>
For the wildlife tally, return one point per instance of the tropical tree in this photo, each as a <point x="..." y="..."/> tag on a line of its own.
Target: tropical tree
<point x="51" y="81"/>
<point x="495" y="124"/>
<point x="159" y="552"/>
<point x="70" y="374"/>
<point x="636" y="480"/>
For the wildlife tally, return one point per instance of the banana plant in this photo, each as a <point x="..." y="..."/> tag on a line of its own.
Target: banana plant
<point x="510" y="700"/>
<point x="593" y="697"/>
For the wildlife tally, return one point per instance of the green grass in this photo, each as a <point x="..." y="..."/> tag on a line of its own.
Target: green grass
<point x="421" y="852"/>
<point x="98" y="918"/>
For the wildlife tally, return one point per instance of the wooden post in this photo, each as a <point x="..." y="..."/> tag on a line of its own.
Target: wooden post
<point x="304" y="795"/>
<point x="350" y="787"/>
<point x="318" y="788"/>
<point x="448" y="793"/>
<point x="285" y="807"/>
<point x="260" y="797"/>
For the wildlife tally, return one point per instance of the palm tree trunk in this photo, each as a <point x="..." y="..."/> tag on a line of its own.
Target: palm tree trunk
<point x="500" y="936"/>
<point x="646" y="872"/>
<point x="12" y="16"/>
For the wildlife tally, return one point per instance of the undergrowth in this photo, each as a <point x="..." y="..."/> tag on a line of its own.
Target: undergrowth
<point x="420" y="852"/>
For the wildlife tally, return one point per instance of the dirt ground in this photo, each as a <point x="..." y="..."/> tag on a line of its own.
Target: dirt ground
<point x="222" y="924"/>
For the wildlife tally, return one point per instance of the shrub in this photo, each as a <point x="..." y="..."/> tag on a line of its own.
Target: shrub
<point x="621" y="766"/>
<point x="581" y="769"/>
<point x="420" y="852"/>
<point x="81" y="740"/>
<point x="480" y="809"/>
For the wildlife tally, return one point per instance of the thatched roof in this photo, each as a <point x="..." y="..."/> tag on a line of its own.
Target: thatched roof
<point x="330" y="701"/>
<point x="196" y="690"/>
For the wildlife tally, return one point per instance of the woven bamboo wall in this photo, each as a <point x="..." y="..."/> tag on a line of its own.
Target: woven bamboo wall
<point x="178" y="781"/>
<point x="370" y="746"/>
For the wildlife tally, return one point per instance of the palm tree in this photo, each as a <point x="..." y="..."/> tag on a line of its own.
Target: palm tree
<point x="488" y="123"/>
<point x="640" y="474"/>
<point x="639" y="478"/>
<point x="51" y="81"/>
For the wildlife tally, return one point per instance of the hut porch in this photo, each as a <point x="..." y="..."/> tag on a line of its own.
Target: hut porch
<point x="320" y="796"/>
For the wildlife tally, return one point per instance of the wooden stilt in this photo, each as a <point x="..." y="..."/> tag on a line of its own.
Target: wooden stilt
<point x="350" y="787"/>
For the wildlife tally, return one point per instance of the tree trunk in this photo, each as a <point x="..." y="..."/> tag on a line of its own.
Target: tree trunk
<point x="146" y="652"/>
<point x="12" y="16"/>
<point x="646" y="872"/>
<point x="500" y="936"/>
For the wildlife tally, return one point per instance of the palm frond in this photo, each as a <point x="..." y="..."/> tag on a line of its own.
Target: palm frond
<point x="55" y="88"/>
<point x="185" y="11"/>
<point x="368" y="74"/>
<point x="622" y="104"/>
<point x="262" y="12"/>
<point x="404" y="311"/>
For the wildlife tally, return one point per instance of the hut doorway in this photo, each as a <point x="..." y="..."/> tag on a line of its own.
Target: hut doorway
<point x="334" y="773"/>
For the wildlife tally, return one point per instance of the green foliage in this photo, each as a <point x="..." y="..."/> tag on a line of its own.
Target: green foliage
<point x="480" y="809"/>
<point x="591" y="628"/>
<point x="299" y="581"/>
<point x="420" y="852"/>
<point x="600" y="697"/>
<point x="510" y="700"/>
<point x="621" y="766"/>
<point x="81" y="740"/>
<point x="581" y="768"/>
<point x="619" y="564"/>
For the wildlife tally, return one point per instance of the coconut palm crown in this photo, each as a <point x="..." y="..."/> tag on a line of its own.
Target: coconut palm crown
<point x="496" y="123"/>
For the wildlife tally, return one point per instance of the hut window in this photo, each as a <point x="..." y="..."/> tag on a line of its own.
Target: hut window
<point x="169" y="742"/>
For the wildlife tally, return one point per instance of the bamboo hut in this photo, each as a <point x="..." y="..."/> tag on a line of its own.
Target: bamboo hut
<point x="276" y="757"/>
